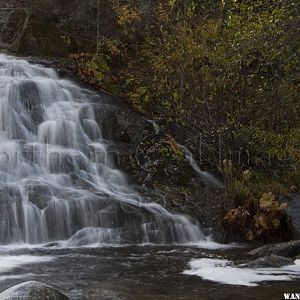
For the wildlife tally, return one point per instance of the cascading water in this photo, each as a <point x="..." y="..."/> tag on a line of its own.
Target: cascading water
<point x="57" y="179"/>
<point x="208" y="179"/>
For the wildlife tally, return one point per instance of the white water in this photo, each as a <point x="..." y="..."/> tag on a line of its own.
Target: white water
<point x="207" y="179"/>
<point x="223" y="271"/>
<point x="57" y="180"/>
<point x="8" y="263"/>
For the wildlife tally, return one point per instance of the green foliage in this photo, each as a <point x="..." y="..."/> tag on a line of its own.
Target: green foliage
<point x="98" y="66"/>
<point x="160" y="156"/>
<point x="235" y="68"/>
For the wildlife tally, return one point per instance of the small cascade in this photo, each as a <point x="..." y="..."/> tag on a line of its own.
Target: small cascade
<point x="207" y="179"/>
<point x="57" y="179"/>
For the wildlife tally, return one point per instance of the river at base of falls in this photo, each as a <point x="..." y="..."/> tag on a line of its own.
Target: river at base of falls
<point x="131" y="273"/>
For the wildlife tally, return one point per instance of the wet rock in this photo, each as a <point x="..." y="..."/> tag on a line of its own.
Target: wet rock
<point x="39" y="195"/>
<point x="32" y="290"/>
<point x="52" y="244"/>
<point x="293" y="213"/>
<point x="118" y="122"/>
<point x="124" y="128"/>
<point x="29" y="97"/>
<point x="271" y="261"/>
<point x="146" y="153"/>
<point x="289" y="249"/>
<point x="10" y="211"/>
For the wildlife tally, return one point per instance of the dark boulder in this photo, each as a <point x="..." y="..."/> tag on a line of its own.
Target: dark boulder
<point x="289" y="249"/>
<point x="293" y="213"/>
<point x="270" y="261"/>
<point x="32" y="290"/>
<point x="119" y="123"/>
<point x="40" y="195"/>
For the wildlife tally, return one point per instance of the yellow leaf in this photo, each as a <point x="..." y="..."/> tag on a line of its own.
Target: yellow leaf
<point x="246" y="175"/>
<point x="267" y="200"/>
<point x="250" y="235"/>
<point x="283" y="206"/>
<point x="231" y="215"/>
<point x="262" y="222"/>
<point x="276" y="223"/>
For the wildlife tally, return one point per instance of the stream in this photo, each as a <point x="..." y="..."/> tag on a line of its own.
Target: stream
<point x="131" y="273"/>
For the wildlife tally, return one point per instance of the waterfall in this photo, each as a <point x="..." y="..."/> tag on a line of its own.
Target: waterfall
<point x="57" y="179"/>
<point x="208" y="179"/>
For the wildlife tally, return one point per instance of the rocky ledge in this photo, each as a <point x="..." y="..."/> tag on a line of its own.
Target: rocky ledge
<point x="289" y="249"/>
<point x="269" y="261"/>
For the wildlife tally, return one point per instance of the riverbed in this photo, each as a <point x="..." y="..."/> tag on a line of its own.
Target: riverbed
<point x="131" y="273"/>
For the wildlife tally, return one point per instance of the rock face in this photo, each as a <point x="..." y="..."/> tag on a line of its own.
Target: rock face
<point x="293" y="213"/>
<point x="14" y="18"/>
<point x="135" y="147"/>
<point x="271" y="261"/>
<point x="290" y="249"/>
<point x="32" y="290"/>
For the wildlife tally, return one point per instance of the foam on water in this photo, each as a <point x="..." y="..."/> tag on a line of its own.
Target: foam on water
<point x="209" y="244"/>
<point x="8" y="263"/>
<point x="223" y="271"/>
<point x="14" y="277"/>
